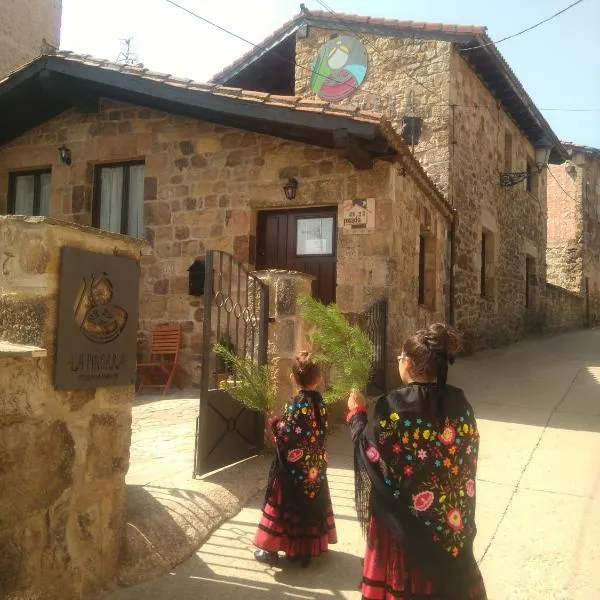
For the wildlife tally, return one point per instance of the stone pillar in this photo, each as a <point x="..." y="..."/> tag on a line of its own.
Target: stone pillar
<point x="288" y="333"/>
<point x="63" y="454"/>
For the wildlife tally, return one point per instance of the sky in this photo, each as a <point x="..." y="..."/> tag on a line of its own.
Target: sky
<point x="558" y="63"/>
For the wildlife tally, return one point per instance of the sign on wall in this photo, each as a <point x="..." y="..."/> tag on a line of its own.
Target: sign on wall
<point x="97" y="320"/>
<point x="339" y="69"/>
<point x="358" y="215"/>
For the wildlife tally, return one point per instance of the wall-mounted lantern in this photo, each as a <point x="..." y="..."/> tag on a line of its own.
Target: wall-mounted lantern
<point x="542" y="156"/>
<point x="65" y="155"/>
<point x="290" y="188"/>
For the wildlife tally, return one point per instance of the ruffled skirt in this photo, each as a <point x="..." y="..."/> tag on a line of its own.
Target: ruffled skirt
<point x="283" y="529"/>
<point x="388" y="574"/>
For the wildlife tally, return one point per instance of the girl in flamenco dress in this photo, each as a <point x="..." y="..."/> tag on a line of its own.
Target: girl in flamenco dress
<point x="297" y="513"/>
<point x="415" y="468"/>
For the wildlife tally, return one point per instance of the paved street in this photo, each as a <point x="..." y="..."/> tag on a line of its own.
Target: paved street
<point x="538" y="407"/>
<point x="162" y="436"/>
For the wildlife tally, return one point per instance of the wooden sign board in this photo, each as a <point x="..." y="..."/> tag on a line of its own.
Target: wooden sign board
<point x="97" y="320"/>
<point x="358" y="216"/>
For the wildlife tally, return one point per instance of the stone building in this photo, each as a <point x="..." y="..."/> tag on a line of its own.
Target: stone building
<point x="573" y="254"/>
<point x="192" y="167"/>
<point x="467" y="119"/>
<point x="27" y="27"/>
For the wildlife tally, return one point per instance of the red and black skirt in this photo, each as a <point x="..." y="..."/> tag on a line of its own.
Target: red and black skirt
<point x="284" y="528"/>
<point x="388" y="574"/>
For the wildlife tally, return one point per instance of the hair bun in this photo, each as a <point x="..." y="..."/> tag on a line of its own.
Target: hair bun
<point x="441" y="338"/>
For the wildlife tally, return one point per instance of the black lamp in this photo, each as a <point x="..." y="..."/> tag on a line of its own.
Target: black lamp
<point x="290" y="188"/>
<point x="542" y="156"/>
<point x="65" y="155"/>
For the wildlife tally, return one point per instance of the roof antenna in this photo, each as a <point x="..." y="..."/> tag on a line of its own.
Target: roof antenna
<point x="127" y="56"/>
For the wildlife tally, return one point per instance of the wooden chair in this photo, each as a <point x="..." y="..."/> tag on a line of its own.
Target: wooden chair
<point x="160" y="370"/>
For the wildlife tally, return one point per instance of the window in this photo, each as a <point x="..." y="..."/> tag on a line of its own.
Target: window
<point x="29" y="193"/>
<point x="487" y="264"/>
<point x="119" y="198"/>
<point x="421" y="269"/>
<point x="427" y="273"/>
<point x="530" y="282"/>
<point x="314" y="236"/>
<point x="508" y="152"/>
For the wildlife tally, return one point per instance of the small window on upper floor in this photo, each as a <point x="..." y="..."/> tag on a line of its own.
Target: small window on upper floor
<point x="508" y="152"/>
<point x="29" y="193"/>
<point x="427" y="270"/>
<point x="119" y="198"/>
<point x="487" y="282"/>
<point x="530" y="282"/>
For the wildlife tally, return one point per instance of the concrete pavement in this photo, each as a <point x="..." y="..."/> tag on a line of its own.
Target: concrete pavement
<point x="538" y="407"/>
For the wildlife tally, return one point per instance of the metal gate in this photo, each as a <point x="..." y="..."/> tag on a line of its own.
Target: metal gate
<point x="236" y="305"/>
<point x="376" y="325"/>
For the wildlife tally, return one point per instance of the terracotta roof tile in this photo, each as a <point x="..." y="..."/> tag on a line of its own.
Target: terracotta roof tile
<point x="345" y="19"/>
<point x="292" y="103"/>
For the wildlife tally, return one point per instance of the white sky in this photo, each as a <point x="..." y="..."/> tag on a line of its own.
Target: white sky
<point x="558" y="63"/>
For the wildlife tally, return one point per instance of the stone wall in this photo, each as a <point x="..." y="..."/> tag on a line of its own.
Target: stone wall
<point x="514" y="217"/>
<point x="565" y="309"/>
<point x="406" y="77"/>
<point x="591" y="232"/>
<point x="573" y="254"/>
<point x="462" y="150"/>
<point x="565" y="227"/>
<point x="203" y="189"/>
<point x="27" y="26"/>
<point x="64" y="454"/>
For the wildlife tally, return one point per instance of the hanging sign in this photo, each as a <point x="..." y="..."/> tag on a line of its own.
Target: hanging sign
<point x="358" y="215"/>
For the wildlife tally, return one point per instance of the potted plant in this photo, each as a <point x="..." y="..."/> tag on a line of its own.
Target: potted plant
<point x="225" y="366"/>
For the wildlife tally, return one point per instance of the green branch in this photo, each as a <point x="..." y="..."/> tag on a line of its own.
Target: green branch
<point x="344" y="347"/>
<point x="254" y="385"/>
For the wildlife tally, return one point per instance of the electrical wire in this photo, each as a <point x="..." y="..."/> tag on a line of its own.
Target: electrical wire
<point x="573" y="109"/>
<point x="514" y="35"/>
<point x="312" y="71"/>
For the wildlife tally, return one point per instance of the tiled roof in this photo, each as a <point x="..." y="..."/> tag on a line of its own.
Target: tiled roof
<point x="586" y="149"/>
<point x="483" y="56"/>
<point x="348" y="19"/>
<point x="293" y="103"/>
<point x="297" y="103"/>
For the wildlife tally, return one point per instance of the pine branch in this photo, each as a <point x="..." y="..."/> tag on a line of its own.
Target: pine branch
<point x="344" y="347"/>
<point x="254" y="385"/>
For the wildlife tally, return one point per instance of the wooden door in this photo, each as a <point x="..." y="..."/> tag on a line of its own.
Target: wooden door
<point x="300" y="240"/>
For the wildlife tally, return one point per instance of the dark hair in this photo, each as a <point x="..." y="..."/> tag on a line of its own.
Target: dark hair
<point x="431" y="350"/>
<point x="305" y="370"/>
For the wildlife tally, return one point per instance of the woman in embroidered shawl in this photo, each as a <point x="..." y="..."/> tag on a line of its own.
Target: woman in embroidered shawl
<point x="297" y="513"/>
<point x="416" y="463"/>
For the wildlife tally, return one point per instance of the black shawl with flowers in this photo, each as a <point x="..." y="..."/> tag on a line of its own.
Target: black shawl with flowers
<point x="301" y="463"/>
<point x="416" y="463"/>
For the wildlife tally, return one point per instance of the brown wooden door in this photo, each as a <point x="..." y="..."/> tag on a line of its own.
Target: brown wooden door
<point x="300" y="240"/>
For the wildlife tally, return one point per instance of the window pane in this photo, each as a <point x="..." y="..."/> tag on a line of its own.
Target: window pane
<point x="314" y="236"/>
<point x="45" y="194"/>
<point x="111" y="198"/>
<point x="24" y="194"/>
<point x="135" y="226"/>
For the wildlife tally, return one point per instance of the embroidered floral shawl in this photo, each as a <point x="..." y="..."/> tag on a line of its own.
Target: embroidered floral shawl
<point x="301" y="456"/>
<point x="416" y="463"/>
